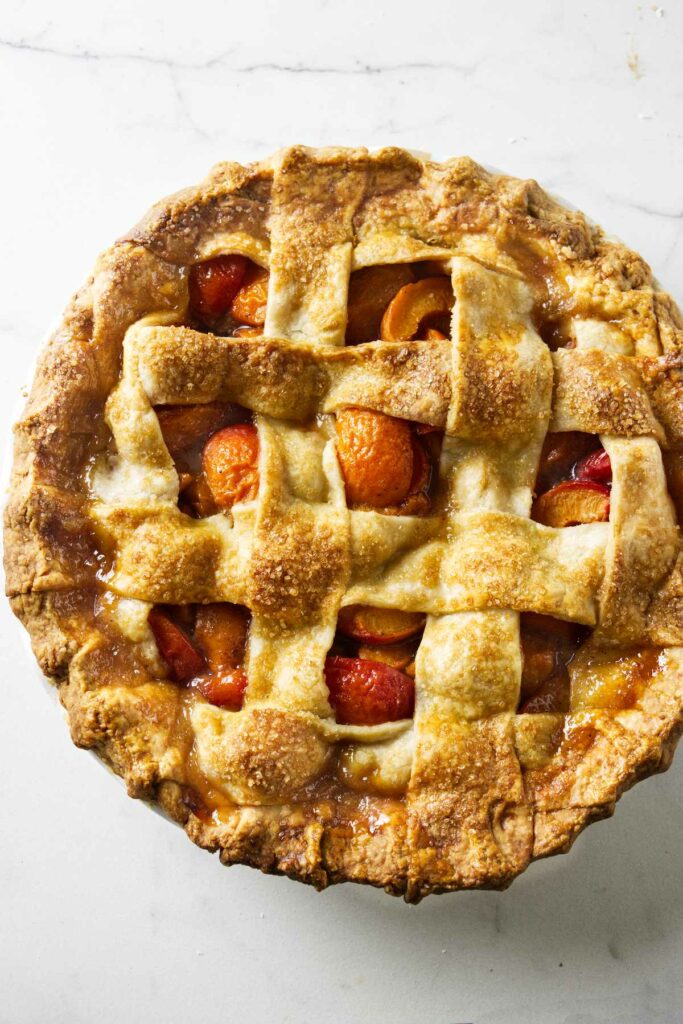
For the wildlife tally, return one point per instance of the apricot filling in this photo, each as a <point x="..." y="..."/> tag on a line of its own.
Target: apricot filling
<point x="548" y="646"/>
<point x="370" y="292"/>
<point x="379" y="626"/>
<point x="249" y="304"/>
<point x="385" y="462"/>
<point x="415" y="306"/>
<point x="573" y="482"/>
<point x="181" y="656"/>
<point x="376" y="456"/>
<point x="185" y="427"/>
<point x="399" y="302"/>
<point x="214" y="284"/>
<point x="401" y="656"/>
<point x="229" y="294"/>
<point x="216" y="457"/>
<point x="371" y="669"/>
<point x="204" y="646"/>
<point x="230" y="464"/>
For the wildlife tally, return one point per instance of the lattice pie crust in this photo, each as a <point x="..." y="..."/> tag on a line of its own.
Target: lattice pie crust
<point x="94" y="535"/>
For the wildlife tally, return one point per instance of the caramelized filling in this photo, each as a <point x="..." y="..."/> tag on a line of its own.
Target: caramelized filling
<point x="614" y="678"/>
<point x="552" y="299"/>
<point x="548" y="646"/>
<point x="560" y="674"/>
<point x="203" y="647"/>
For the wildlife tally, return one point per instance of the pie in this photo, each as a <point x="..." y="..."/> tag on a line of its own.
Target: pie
<point x="344" y="516"/>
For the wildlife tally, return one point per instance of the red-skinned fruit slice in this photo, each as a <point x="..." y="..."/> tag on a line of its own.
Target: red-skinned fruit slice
<point x="225" y="689"/>
<point x="572" y="503"/>
<point x="596" y="467"/>
<point x="183" y="659"/>
<point x="368" y="692"/>
<point x="214" y="284"/>
<point x="378" y="625"/>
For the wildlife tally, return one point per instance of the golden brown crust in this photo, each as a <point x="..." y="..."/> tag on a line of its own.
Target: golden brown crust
<point x="489" y="790"/>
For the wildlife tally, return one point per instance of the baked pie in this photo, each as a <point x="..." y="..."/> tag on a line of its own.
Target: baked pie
<point x="344" y="515"/>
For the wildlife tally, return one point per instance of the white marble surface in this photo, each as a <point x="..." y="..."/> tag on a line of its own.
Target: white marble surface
<point x="108" y="912"/>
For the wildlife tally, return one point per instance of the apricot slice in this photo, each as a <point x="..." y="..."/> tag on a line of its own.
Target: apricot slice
<point x="401" y="656"/>
<point x="430" y="297"/>
<point x="560" y="454"/>
<point x="571" y="503"/>
<point x="368" y="692"/>
<point x="596" y="467"/>
<point x="187" y="426"/>
<point x="221" y="633"/>
<point x="249" y="304"/>
<point x="214" y="283"/>
<point x="378" y="625"/>
<point x="376" y="457"/>
<point x="183" y="659"/>
<point x="230" y="464"/>
<point x="370" y="292"/>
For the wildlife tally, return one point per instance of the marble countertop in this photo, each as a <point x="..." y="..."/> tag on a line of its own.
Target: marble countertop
<point x="108" y="912"/>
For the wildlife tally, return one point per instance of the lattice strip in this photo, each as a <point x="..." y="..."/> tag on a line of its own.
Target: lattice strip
<point x="311" y="225"/>
<point x="293" y="380"/>
<point x="595" y="391"/>
<point x="299" y="568"/>
<point x="465" y="767"/>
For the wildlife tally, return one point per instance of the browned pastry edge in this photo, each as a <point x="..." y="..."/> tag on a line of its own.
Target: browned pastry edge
<point x="50" y="546"/>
